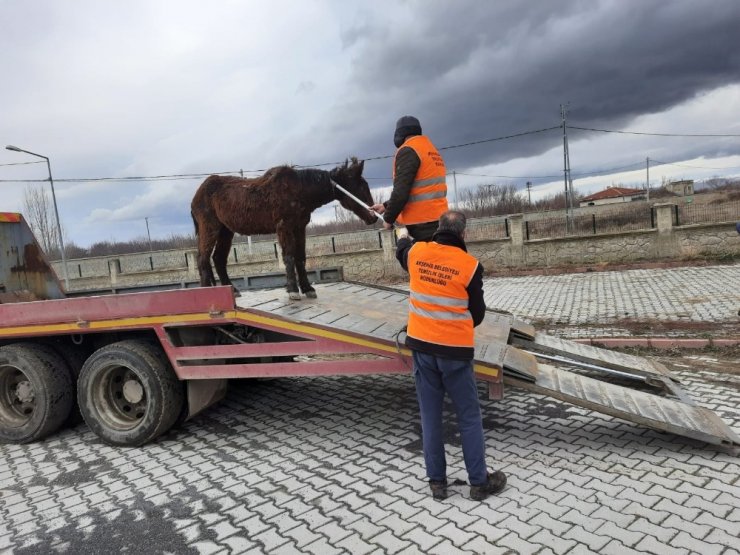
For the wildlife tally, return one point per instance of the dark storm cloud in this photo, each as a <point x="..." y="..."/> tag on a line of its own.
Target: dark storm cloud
<point x="472" y="70"/>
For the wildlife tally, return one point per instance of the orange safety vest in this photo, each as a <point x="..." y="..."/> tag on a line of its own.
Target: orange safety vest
<point x="438" y="304"/>
<point x="428" y="196"/>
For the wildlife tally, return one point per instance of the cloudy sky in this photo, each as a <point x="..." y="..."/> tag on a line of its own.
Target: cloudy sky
<point x="153" y="87"/>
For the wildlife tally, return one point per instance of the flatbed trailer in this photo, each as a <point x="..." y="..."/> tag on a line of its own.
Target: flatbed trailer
<point x="137" y="364"/>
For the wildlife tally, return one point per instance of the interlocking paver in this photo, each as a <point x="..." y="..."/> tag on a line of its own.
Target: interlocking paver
<point x="650" y="544"/>
<point x="518" y="545"/>
<point x="593" y="542"/>
<point x="695" y="545"/>
<point x="446" y="547"/>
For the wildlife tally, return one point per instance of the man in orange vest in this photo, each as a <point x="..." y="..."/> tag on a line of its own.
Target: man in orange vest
<point x="419" y="195"/>
<point x="445" y="304"/>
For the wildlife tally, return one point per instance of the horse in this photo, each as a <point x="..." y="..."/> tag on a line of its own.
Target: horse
<point x="280" y="201"/>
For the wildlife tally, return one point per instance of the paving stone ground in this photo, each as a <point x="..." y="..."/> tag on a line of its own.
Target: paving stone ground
<point x="690" y="294"/>
<point x="334" y="465"/>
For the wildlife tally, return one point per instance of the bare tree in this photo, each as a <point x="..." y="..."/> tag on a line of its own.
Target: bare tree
<point x="491" y="199"/>
<point x="38" y="211"/>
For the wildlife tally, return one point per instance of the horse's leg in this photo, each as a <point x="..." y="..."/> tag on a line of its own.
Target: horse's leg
<point x="287" y="244"/>
<point x="221" y="255"/>
<point x="300" y="264"/>
<point x="206" y="241"/>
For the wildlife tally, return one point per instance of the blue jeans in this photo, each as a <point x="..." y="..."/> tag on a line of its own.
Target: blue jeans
<point x="434" y="376"/>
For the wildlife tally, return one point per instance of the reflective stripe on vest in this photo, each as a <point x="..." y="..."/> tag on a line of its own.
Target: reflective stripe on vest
<point x="438" y="303"/>
<point x="428" y="195"/>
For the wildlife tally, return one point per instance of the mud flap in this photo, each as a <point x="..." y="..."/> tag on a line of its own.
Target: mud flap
<point x="204" y="393"/>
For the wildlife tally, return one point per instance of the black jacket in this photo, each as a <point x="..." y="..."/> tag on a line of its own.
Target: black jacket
<point x="476" y="302"/>
<point x="407" y="164"/>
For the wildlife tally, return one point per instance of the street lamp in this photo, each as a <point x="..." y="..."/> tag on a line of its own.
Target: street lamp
<point x="56" y="211"/>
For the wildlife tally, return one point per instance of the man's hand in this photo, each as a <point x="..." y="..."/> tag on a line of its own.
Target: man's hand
<point x="379" y="208"/>
<point x="386" y="225"/>
<point x="401" y="233"/>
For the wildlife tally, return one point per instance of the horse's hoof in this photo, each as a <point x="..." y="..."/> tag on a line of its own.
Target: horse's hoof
<point x="310" y="294"/>
<point x="294" y="296"/>
<point x="237" y="294"/>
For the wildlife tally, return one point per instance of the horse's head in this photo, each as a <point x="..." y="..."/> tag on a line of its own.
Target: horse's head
<point x="350" y="177"/>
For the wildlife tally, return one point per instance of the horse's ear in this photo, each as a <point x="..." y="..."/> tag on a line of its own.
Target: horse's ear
<point x="362" y="166"/>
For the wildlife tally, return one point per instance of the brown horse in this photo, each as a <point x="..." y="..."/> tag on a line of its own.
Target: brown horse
<point x="281" y="202"/>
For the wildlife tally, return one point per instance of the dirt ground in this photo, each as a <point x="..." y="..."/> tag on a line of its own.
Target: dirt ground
<point x="724" y="360"/>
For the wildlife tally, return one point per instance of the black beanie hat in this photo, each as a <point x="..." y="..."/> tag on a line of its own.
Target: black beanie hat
<point x="405" y="126"/>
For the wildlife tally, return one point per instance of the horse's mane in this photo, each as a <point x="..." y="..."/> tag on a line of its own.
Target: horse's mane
<point x="312" y="177"/>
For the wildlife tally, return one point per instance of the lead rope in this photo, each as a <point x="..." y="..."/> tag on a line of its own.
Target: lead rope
<point x="398" y="347"/>
<point x="336" y="185"/>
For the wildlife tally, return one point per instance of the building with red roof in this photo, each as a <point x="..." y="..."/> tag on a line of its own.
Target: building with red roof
<point x="613" y="195"/>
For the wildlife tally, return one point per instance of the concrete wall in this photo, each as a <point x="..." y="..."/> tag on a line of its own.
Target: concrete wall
<point x="373" y="263"/>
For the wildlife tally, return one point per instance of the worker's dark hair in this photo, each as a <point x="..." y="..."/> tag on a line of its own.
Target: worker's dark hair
<point x="453" y="222"/>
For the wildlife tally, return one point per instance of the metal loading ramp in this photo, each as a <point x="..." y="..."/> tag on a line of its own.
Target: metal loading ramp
<point x="511" y="352"/>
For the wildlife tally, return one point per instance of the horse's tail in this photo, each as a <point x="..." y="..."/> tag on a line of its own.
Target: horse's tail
<point x="195" y="222"/>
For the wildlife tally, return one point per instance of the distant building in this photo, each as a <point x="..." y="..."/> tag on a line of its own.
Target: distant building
<point x="612" y="195"/>
<point x="684" y="188"/>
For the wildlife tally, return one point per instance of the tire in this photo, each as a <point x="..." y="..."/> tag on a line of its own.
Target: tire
<point x="36" y="392"/>
<point x="75" y="358"/>
<point x="128" y="394"/>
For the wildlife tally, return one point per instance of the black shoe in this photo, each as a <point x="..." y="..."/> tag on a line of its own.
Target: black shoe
<point x="496" y="483"/>
<point x="439" y="489"/>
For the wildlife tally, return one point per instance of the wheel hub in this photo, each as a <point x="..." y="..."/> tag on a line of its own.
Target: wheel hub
<point x="133" y="392"/>
<point x="24" y="392"/>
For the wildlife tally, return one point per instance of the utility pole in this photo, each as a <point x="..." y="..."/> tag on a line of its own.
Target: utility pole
<point x="647" y="178"/>
<point x="56" y="211"/>
<point x="566" y="172"/>
<point x="454" y="185"/>
<point x="529" y="192"/>
<point x="146" y="219"/>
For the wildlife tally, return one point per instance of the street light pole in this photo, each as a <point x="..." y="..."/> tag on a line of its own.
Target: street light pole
<point x="56" y="211"/>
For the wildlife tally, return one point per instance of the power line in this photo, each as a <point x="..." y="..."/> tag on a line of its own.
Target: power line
<point x="179" y="177"/>
<point x="655" y="134"/>
<point x="176" y="177"/>
<point x="694" y="167"/>
<point x="507" y="176"/>
<point x="23" y="163"/>
<point x="449" y="147"/>
<point x="501" y="138"/>
<point x="200" y="175"/>
<point x="585" y="173"/>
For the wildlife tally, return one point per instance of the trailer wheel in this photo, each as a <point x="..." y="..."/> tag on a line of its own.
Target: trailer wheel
<point x="128" y="393"/>
<point x="75" y="358"/>
<point x="36" y="392"/>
